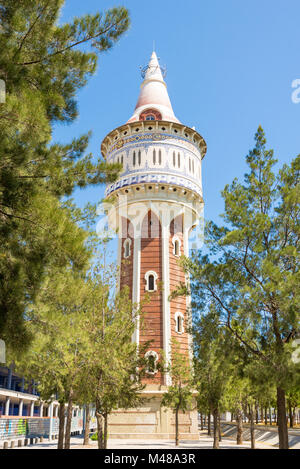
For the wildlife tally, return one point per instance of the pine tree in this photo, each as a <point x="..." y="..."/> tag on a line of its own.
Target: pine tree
<point x="214" y="364"/>
<point x="112" y="372"/>
<point x="251" y="272"/>
<point x="179" y="396"/>
<point x="55" y="357"/>
<point x="43" y="65"/>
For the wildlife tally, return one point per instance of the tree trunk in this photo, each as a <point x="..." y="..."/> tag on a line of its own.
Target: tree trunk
<point x="270" y="416"/>
<point x="266" y="416"/>
<point x="216" y="428"/>
<point x="176" y="428"/>
<point x="69" y="420"/>
<point x="219" y="423"/>
<point x="105" y="436"/>
<point x="201" y="420"/>
<point x="86" y="438"/>
<point x="256" y="413"/>
<point x="262" y="414"/>
<point x="239" y="421"/>
<point x="290" y="415"/>
<point x="252" y="428"/>
<point x="281" y="417"/>
<point x="61" y="430"/>
<point x="208" y="425"/>
<point x="293" y="417"/>
<point x="100" y="431"/>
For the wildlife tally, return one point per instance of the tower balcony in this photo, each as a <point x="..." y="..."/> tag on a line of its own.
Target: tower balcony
<point x="159" y="152"/>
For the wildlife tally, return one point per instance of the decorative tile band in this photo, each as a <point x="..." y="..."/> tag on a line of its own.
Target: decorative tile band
<point x="154" y="137"/>
<point x="152" y="178"/>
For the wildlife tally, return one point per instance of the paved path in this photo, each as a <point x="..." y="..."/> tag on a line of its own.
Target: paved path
<point x="205" y="442"/>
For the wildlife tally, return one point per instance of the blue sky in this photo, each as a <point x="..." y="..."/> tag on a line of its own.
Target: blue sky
<point x="230" y="68"/>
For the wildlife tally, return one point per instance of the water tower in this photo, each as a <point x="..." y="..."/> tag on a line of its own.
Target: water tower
<point x="157" y="201"/>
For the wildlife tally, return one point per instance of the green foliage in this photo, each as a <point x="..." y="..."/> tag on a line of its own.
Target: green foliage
<point x="179" y="395"/>
<point x="216" y="356"/>
<point x="43" y="64"/>
<point x="82" y="347"/>
<point x="252" y="272"/>
<point x="94" y="437"/>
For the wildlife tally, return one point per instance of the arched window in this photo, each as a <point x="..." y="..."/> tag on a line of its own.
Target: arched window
<point x="139" y="158"/>
<point x="150" y="115"/>
<point x="134" y="159"/>
<point x="179" y="323"/>
<point x="122" y="159"/>
<point x="178" y="160"/>
<point x="151" y="278"/>
<point x="176" y="246"/>
<point x="159" y="157"/>
<point x="151" y="283"/>
<point x="193" y="165"/>
<point x="189" y="164"/>
<point x="127" y="248"/>
<point x="154" y="157"/>
<point x="152" y="359"/>
<point x="174" y="159"/>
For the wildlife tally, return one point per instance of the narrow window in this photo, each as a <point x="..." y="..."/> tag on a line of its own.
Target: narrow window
<point x="154" y="157"/>
<point x="139" y="158"/>
<point x="193" y="166"/>
<point x="151" y="278"/>
<point x="122" y="159"/>
<point x="151" y="283"/>
<point x="189" y="164"/>
<point x="151" y="358"/>
<point x="134" y="158"/>
<point x="174" y="159"/>
<point x="159" y="157"/>
<point x="179" y="324"/>
<point x="178" y="160"/>
<point x="176" y="246"/>
<point x="151" y="364"/>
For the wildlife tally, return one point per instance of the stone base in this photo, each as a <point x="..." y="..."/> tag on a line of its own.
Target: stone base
<point x="150" y="421"/>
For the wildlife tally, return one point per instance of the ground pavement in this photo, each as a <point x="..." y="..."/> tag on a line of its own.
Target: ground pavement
<point x="205" y="442"/>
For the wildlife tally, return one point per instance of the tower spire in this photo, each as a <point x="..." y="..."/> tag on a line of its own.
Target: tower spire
<point x="154" y="94"/>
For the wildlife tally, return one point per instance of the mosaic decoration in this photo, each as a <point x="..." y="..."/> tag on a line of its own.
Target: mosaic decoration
<point x="18" y="428"/>
<point x="155" y="137"/>
<point x="152" y="178"/>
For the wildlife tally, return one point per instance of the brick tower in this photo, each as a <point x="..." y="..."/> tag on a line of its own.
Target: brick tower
<point x="157" y="201"/>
